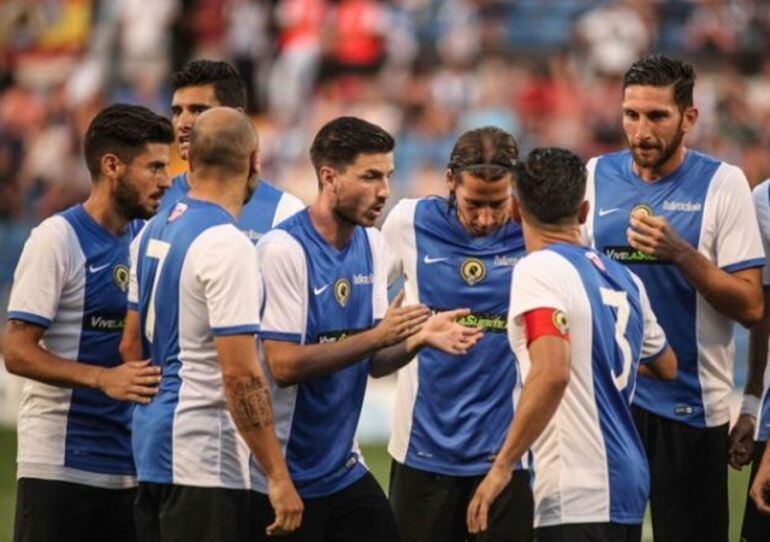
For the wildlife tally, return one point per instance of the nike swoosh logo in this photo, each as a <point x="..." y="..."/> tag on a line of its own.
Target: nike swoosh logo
<point x="605" y="212"/>
<point x="93" y="269"/>
<point x="428" y="260"/>
<point x="319" y="291"/>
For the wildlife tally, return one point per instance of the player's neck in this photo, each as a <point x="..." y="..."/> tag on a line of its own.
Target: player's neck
<point x="334" y="229"/>
<point x="538" y="238"/>
<point x="100" y="206"/>
<point x="228" y="195"/>
<point x="667" y="168"/>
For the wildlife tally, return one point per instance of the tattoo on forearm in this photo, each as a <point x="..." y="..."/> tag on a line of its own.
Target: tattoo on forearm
<point x="249" y="401"/>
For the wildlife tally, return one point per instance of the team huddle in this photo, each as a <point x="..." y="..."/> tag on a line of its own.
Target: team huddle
<point x="197" y="349"/>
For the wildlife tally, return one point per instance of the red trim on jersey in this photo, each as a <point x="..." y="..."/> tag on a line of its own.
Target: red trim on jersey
<point x="543" y="322"/>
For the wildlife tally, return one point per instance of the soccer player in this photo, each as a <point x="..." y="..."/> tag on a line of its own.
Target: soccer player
<point x="446" y="432"/>
<point x="579" y="324"/>
<point x="196" y="286"/>
<point x="201" y="85"/>
<point x="76" y="478"/>
<point x="686" y="224"/>
<point x="748" y="439"/>
<point x="327" y="326"/>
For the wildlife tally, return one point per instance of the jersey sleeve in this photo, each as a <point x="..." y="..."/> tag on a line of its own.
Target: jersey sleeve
<point x="738" y="243"/>
<point x="538" y="284"/>
<point x="133" y="282"/>
<point x="42" y="273"/>
<point x="288" y="205"/>
<point x="225" y="263"/>
<point x="284" y="275"/>
<point x="762" y="206"/>
<point x="654" y="341"/>
<point x="587" y="229"/>
<point x="398" y="231"/>
<point x="380" y="264"/>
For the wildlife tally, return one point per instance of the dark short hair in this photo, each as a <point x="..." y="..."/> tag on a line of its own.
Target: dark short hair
<point x="551" y="185"/>
<point x="229" y="88"/>
<point x="341" y="140"/>
<point x="662" y="71"/>
<point x="123" y="130"/>
<point x="488" y="153"/>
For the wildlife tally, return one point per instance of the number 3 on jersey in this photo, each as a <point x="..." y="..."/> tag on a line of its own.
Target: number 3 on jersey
<point x="158" y="250"/>
<point x="619" y="301"/>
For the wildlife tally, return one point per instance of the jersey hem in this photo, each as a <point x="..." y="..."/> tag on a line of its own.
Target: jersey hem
<point x="29" y="317"/>
<point x="568" y="520"/>
<point x="249" y="329"/>
<point x="746" y="264"/>
<point x="280" y="336"/>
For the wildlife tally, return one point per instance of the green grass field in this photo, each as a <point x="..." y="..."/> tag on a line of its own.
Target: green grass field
<point x="376" y="457"/>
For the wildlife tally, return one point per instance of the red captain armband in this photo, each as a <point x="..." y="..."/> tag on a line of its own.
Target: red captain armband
<point x="545" y="322"/>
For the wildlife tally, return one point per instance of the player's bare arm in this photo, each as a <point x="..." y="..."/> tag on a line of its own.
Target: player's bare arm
<point x="545" y="385"/>
<point x="737" y="295"/>
<point x="131" y="341"/>
<point x="248" y="400"/>
<point x="292" y="364"/>
<point x="135" y="381"/>
<point x="663" y="367"/>
<point x="742" y="434"/>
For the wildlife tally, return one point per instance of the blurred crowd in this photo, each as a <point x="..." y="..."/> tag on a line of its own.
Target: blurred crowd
<point x="549" y="71"/>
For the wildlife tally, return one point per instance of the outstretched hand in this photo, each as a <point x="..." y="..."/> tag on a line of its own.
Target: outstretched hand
<point x="443" y="332"/>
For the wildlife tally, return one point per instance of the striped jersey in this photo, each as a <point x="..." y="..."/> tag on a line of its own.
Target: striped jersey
<point x="194" y="277"/>
<point x="450" y="409"/>
<point x="315" y="293"/>
<point x="762" y="204"/>
<point x="267" y="207"/>
<point x="72" y="280"/>
<point x="589" y="462"/>
<point x="709" y="204"/>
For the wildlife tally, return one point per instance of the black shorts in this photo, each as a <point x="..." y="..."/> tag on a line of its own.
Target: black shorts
<point x="55" y="511"/>
<point x="591" y="532"/>
<point x="756" y="526"/>
<point x="358" y="513"/>
<point x="174" y="513"/>
<point x="433" y="507"/>
<point x="688" y="478"/>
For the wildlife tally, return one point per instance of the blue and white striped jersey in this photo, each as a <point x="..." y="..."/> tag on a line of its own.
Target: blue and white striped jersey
<point x="72" y="280"/>
<point x="267" y="207"/>
<point x="709" y="204"/>
<point x="450" y="409"/>
<point x="762" y="205"/>
<point x="194" y="276"/>
<point x="589" y="463"/>
<point x="315" y="293"/>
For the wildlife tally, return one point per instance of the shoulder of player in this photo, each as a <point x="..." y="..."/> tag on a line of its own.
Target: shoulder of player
<point x="544" y="263"/>
<point x="612" y="159"/>
<point x="726" y="177"/>
<point x="761" y="194"/>
<point x="220" y="239"/>
<point x="278" y="244"/>
<point x="401" y="215"/>
<point x="56" y="232"/>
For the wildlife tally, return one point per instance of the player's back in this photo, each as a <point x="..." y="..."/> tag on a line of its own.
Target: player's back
<point x="266" y="208"/>
<point x="589" y="462"/>
<point x="185" y="299"/>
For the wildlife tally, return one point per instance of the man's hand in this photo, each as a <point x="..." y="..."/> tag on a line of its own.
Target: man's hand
<point x="287" y="505"/>
<point x="135" y="381"/>
<point x="760" y="489"/>
<point x="742" y="442"/>
<point x="443" y="332"/>
<point x="490" y="488"/>
<point x="653" y="235"/>
<point x="400" y="322"/>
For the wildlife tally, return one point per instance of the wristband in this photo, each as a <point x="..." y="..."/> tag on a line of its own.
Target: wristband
<point x="750" y="405"/>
